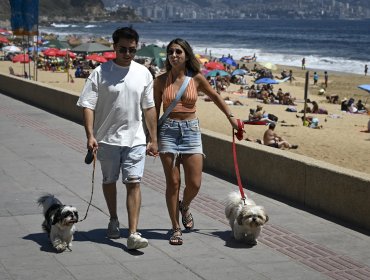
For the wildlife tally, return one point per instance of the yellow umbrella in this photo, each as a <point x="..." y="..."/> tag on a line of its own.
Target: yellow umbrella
<point x="268" y="65"/>
<point x="203" y="60"/>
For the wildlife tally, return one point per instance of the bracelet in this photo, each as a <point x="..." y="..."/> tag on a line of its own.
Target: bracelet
<point x="230" y="115"/>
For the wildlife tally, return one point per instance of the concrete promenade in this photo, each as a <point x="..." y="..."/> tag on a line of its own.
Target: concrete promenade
<point x="42" y="153"/>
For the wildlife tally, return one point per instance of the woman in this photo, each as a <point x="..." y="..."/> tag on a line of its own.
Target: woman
<point x="179" y="135"/>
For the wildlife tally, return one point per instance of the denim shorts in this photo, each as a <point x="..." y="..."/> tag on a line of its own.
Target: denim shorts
<point x="129" y="160"/>
<point x="180" y="137"/>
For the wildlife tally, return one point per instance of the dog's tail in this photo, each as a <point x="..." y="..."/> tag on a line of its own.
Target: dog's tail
<point x="46" y="201"/>
<point x="234" y="199"/>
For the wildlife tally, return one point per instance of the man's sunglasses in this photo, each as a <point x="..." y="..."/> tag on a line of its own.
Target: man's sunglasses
<point x="125" y="50"/>
<point x="172" y="51"/>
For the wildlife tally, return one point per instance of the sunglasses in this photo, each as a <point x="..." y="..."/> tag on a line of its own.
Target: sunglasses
<point x="125" y="50"/>
<point x="172" y="51"/>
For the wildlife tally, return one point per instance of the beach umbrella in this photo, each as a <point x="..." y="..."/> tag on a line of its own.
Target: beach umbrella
<point x="203" y="60"/>
<point x="4" y="40"/>
<point x="266" y="81"/>
<point x="239" y="72"/>
<point x="109" y="55"/>
<point x="228" y="60"/>
<point x="97" y="58"/>
<point x="65" y="52"/>
<point x="213" y="73"/>
<point x="50" y="52"/>
<point x="214" y="66"/>
<point x="56" y="44"/>
<point x="365" y="87"/>
<point x="13" y="49"/>
<point x="268" y="65"/>
<point x="21" y="58"/>
<point x="154" y="52"/>
<point x="91" y="48"/>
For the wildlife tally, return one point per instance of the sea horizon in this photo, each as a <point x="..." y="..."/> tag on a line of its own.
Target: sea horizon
<point x="327" y="45"/>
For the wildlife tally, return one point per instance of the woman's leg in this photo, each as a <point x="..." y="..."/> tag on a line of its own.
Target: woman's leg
<point x="193" y="166"/>
<point x="173" y="181"/>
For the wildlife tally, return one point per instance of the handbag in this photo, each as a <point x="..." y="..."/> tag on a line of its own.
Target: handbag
<point x="174" y="102"/>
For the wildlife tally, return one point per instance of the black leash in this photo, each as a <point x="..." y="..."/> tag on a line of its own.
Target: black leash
<point x="90" y="157"/>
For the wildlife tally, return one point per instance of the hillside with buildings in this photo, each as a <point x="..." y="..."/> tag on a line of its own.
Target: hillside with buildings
<point x="251" y="9"/>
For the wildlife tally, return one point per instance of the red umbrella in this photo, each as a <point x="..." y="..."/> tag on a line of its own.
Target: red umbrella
<point x="96" y="57"/>
<point x="22" y="58"/>
<point x="214" y="66"/>
<point x="65" y="52"/>
<point x="109" y="55"/>
<point x="51" y="52"/>
<point x="4" y="40"/>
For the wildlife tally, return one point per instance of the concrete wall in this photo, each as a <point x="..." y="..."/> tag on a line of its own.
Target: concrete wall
<point x="317" y="185"/>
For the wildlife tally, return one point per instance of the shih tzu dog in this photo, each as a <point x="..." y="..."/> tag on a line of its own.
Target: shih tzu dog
<point x="59" y="221"/>
<point x="246" y="220"/>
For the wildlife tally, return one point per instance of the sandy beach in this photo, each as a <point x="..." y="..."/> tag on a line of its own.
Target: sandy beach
<point x="339" y="142"/>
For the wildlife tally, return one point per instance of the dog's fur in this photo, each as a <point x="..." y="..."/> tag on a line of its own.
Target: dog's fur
<point x="246" y="221"/>
<point x="59" y="221"/>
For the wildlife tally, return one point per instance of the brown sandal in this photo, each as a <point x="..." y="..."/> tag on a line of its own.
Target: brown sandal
<point x="176" y="238"/>
<point x="186" y="219"/>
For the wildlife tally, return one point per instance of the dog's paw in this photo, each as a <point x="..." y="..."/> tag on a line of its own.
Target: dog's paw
<point x="61" y="247"/>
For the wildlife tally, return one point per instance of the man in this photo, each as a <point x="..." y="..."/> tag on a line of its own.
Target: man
<point x="115" y="96"/>
<point x="271" y="139"/>
<point x="303" y="63"/>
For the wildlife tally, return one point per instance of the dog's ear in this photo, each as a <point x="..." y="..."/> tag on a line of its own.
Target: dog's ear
<point x="57" y="216"/>
<point x="239" y="219"/>
<point x="267" y="218"/>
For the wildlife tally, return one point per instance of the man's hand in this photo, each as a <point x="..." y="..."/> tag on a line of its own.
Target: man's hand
<point x="152" y="149"/>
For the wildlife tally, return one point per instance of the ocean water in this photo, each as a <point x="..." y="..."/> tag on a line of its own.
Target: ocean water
<point x="331" y="45"/>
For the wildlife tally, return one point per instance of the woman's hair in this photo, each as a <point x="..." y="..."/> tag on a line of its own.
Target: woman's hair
<point x="125" y="33"/>
<point x="192" y="64"/>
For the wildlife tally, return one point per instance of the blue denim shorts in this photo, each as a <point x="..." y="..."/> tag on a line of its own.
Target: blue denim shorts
<point x="128" y="160"/>
<point x="180" y="137"/>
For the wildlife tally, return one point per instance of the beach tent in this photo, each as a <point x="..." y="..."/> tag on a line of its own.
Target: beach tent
<point x="91" y="48"/>
<point x="153" y="52"/>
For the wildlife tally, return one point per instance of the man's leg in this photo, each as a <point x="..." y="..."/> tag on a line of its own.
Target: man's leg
<point x="110" y="195"/>
<point x="133" y="203"/>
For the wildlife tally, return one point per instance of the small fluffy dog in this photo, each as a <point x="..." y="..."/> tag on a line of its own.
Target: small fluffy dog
<point x="59" y="221"/>
<point x="246" y="221"/>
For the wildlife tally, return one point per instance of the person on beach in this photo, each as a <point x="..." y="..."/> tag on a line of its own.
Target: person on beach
<point x="271" y="139"/>
<point x="326" y="78"/>
<point x="114" y="98"/>
<point x="315" y="78"/>
<point x="179" y="137"/>
<point x="366" y="68"/>
<point x="303" y="63"/>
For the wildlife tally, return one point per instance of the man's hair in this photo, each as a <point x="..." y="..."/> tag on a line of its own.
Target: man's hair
<point x="125" y="33"/>
<point x="272" y="126"/>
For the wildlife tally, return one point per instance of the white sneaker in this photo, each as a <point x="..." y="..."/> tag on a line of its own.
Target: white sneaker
<point x="113" y="229"/>
<point x="135" y="241"/>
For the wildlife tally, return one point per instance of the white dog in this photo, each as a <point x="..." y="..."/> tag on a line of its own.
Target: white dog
<point x="59" y="221"/>
<point x="246" y="221"/>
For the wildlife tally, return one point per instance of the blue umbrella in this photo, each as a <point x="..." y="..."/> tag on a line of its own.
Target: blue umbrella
<point x="239" y="72"/>
<point x="228" y="60"/>
<point x="365" y="87"/>
<point x="266" y="81"/>
<point x="213" y="73"/>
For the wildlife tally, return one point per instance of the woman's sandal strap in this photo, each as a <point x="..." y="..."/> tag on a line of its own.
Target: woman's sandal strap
<point x="186" y="219"/>
<point x="176" y="238"/>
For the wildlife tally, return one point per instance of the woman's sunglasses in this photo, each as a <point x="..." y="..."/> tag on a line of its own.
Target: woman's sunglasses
<point x="172" y="51"/>
<point x="125" y="50"/>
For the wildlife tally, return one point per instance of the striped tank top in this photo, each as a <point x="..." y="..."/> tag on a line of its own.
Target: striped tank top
<point x="187" y="102"/>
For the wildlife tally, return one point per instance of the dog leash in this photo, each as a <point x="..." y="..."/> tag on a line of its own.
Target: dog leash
<point x="239" y="135"/>
<point x="88" y="161"/>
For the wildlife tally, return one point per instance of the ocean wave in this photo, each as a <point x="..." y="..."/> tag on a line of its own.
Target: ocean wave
<point x="60" y="25"/>
<point x="90" y="26"/>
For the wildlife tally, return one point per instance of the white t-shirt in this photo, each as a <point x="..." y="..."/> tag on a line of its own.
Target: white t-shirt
<point x="117" y="95"/>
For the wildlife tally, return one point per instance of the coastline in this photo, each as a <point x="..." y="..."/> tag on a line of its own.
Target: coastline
<point x="340" y="142"/>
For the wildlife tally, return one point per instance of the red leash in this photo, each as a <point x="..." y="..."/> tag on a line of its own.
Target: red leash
<point x="239" y="136"/>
